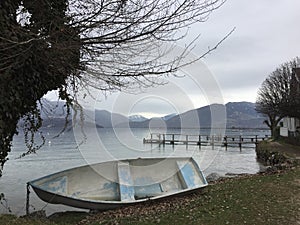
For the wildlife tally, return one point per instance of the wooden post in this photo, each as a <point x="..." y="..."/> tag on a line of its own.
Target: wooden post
<point x="173" y="139"/>
<point x="199" y="141"/>
<point x="240" y="143"/>
<point x="225" y="142"/>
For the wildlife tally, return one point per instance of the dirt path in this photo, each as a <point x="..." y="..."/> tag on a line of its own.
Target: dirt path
<point x="290" y="150"/>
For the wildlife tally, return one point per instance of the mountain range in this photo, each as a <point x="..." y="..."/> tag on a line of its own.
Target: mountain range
<point x="232" y="114"/>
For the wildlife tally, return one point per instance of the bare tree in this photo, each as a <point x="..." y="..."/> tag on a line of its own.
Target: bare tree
<point x="276" y="96"/>
<point x="67" y="44"/>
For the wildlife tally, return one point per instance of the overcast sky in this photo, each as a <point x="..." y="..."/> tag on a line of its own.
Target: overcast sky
<point x="267" y="34"/>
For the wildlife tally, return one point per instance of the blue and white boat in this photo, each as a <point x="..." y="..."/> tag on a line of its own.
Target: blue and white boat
<point x="114" y="184"/>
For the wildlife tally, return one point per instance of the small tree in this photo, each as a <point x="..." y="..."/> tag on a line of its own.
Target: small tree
<point x="276" y="96"/>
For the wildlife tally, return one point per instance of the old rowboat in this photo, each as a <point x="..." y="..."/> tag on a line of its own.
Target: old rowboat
<point x="114" y="184"/>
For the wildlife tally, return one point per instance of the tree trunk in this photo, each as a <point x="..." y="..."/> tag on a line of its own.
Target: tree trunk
<point x="272" y="124"/>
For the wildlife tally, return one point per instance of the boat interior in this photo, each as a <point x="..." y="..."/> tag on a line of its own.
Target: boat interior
<point x="126" y="180"/>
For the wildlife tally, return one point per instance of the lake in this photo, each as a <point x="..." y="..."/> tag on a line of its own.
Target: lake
<point x="71" y="149"/>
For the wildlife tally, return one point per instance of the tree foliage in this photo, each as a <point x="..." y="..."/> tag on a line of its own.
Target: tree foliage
<point x="293" y="108"/>
<point x="34" y="58"/>
<point x="67" y="44"/>
<point x="279" y="94"/>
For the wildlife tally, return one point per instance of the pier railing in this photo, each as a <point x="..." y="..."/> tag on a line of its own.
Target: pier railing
<point x="193" y="139"/>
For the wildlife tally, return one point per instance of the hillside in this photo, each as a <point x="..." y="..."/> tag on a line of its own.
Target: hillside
<point x="233" y="114"/>
<point x="243" y="114"/>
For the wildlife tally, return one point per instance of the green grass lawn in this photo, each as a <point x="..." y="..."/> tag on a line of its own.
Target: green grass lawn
<point x="259" y="199"/>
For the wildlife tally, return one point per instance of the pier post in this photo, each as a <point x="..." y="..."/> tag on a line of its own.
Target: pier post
<point x="240" y="142"/>
<point x="173" y="139"/>
<point x="199" y="141"/>
<point x="225" y="142"/>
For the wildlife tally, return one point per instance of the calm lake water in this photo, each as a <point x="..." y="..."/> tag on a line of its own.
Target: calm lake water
<point x="63" y="152"/>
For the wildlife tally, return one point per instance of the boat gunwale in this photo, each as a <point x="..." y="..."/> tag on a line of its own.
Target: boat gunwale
<point x="110" y="161"/>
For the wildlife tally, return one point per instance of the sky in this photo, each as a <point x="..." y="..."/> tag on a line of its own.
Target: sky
<point x="266" y="35"/>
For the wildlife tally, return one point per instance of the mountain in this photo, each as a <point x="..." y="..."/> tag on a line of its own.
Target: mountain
<point x="167" y="117"/>
<point x="153" y="122"/>
<point x="107" y="119"/>
<point x="243" y="114"/>
<point x="234" y="114"/>
<point x="53" y="109"/>
<point x="137" y="118"/>
<point x="54" y="114"/>
<point x="204" y="117"/>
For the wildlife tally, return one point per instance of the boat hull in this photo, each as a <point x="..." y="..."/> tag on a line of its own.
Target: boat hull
<point x="115" y="184"/>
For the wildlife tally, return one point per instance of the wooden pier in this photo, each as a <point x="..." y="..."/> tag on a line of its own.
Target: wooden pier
<point x="192" y="139"/>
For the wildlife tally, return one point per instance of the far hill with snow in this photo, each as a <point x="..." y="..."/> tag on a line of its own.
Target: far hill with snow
<point x="137" y="118"/>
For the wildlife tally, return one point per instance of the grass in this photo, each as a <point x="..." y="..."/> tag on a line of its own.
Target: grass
<point x="270" y="200"/>
<point x="260" y="199"/>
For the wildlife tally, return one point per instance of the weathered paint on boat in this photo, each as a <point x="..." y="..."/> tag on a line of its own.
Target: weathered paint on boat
<point x="114" y="184"/>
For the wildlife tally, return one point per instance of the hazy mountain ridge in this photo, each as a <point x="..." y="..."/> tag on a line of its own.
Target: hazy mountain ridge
<point x="107" y="119"/>
<point x="234" y="114"/>
<point x="199" y="117"/>
<point x="238" y="115"/>
<point x="243" y="114"/>
<point x="137" y="118"/>
<point x="167" y="117"/>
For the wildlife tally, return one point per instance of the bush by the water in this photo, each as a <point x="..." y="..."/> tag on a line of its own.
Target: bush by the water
<point x="268" y="156"/>
<point x="277" y="154"/>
